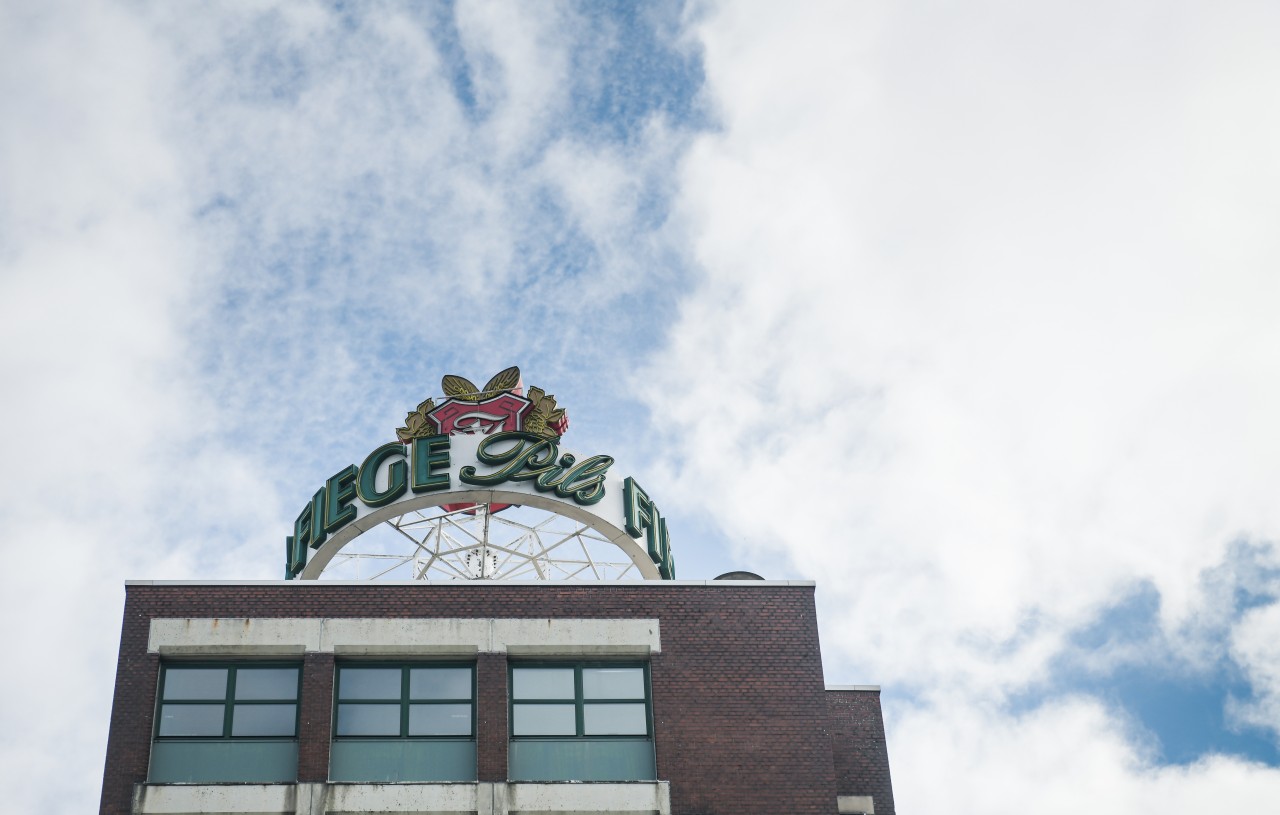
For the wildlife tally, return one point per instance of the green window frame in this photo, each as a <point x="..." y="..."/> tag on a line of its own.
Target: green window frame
<point x="350" y="701"/>
<point x="580" y="721"/>
<point x="191" y="706"/>
<point x="404" y="721"/>
<point x="226" y="722"/>
<point x="587" y="702"/>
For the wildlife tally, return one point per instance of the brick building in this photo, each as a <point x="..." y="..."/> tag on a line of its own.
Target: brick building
<point x="309" y="697"/>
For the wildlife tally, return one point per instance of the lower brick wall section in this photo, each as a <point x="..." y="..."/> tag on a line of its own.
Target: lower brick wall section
<point x="858" y="746"/>
<point x="742" y="718"/>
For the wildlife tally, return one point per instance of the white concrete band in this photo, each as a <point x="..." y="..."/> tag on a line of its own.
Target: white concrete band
<point x="287" y="636"/>
<point x="500" y="798"/>
<point x="218" y="799"/>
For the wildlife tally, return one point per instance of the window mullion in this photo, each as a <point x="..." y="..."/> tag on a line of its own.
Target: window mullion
<point x="228" y="703"/>
<point x="404" y="701"/>
<point x="578" y="701"/>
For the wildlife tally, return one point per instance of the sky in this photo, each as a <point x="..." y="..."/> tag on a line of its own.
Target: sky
<point x="967" y="311"/>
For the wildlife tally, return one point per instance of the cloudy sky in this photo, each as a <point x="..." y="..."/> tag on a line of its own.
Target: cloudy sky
<point x="967" y="311"/>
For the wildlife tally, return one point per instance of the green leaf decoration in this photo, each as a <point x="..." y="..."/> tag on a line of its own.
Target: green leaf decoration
<point x="504" y="380"/>
<point x="459" y="388"/>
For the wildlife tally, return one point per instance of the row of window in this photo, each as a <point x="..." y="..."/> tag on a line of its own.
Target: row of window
<point x="402" y="722"/>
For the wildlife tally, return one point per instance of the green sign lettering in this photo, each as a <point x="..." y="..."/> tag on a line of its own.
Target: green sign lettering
<point x="397" y="475"/>
<point x="429" y="455"/>
<point x="339" y="492"/>
<point x="641" y="516"/>
<point x="425" y="467"/>
<point x="530" y="457"/>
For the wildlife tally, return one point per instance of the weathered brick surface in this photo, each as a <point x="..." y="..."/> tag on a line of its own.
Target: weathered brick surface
<point x="491" y="717"/>
<point x="742" y="719"/>
<point x="858" y="747"/>
<point x="316" y="717"/>
<point x="132" y="714"/>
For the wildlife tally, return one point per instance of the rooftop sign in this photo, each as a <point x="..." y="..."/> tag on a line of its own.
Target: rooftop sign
<point x="495" y="445"/>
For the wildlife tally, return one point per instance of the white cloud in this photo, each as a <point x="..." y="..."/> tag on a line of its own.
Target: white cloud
<point x="93" y="272"/>
<point x="1255" y="646"/>
<point x="987" y="315"/>
<point x="953" y="756"/>
<point x="993" y="351"/>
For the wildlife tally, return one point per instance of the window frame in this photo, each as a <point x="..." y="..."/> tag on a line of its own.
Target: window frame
<point x="406" y="701"/>
<point x="228" y="702"/>
<point x="579" y="701"/>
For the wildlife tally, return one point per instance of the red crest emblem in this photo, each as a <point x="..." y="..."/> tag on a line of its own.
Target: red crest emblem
<point x="499" y="406"/>
<point x="505" y="411"/>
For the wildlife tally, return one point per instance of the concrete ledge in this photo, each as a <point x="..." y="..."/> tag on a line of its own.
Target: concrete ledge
<point x="214" y="799"/>
<point x="239" y="635"/>
<point x="637" y="798"/>
<point x="875" y="688"/>
<point x="646" y="798"/>
<point x="407" y="637"/>
<point x="407" y="799"/>
<point x="275" y="636"/>
<point x="576" y="637"/>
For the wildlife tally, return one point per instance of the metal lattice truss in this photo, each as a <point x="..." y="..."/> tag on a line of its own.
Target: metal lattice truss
<point x="476" y="543"/>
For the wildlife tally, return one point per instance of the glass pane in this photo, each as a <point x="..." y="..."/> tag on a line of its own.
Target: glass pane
<point x="542" y="683"/>
<point x="369" y="683"/>
<point x="614" y="720"/>
<point x="267" y="683"/>
<point x="440" y="683"/>
<point x="368" y="720"/>
<point x="263" y="720"/>
<point x="613" y="683"/>
<point x="195" y="683"/>
<point x="191" y="720"/>
<point x="544" y="720"/>
<point x="439" y="720"/>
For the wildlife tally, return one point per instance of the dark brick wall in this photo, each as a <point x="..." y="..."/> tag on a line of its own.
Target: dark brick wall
<point x="858" y="747"/>
<point x="741" y="714"/>
<point x="132" y="713"/>
<point x="315" y="717"/>
<point x="491" y="717"/>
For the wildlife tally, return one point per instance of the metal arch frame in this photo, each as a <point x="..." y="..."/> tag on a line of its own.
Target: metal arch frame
<point x="637" y="553"/>
<point x="504" y="547"/>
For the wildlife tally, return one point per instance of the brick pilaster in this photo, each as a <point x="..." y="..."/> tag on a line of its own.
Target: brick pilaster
<point x="314" y="734"/>
<point x="491" y="718"/>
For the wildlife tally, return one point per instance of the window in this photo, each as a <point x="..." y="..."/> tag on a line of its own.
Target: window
<point x="228" y="723"/>
<point x="404" y="723"/>
<point x="584" y="722"/>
